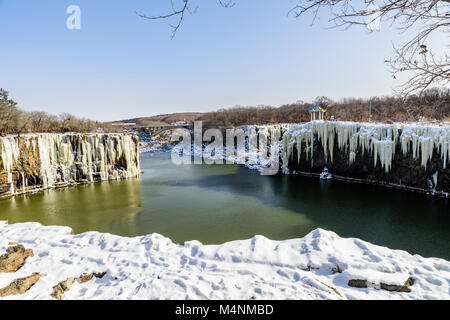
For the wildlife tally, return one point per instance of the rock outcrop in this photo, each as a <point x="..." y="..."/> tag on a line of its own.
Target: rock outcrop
<point x="20" y="286"/>
<point x="14" y="258"/>
<point x="61" y="288"/>
<point x="389" y="287"/>
<point x="40" y="161"/>
<point x="65" y="285"/>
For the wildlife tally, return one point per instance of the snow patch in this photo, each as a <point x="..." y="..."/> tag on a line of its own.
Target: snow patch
<point x="317" y="266"/>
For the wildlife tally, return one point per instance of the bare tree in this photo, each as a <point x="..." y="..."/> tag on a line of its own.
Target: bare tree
<point x="323" y="101"/>
<point x="424" y="66"/>
<point x="415" y="57"/>
<point x="433" y="104"/>
<point x="13" y="120"/>
<point x="179" y="13"/>
<point x="9" y="113"/>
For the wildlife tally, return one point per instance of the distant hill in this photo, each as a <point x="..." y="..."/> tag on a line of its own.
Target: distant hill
<point x="187" y="117"/>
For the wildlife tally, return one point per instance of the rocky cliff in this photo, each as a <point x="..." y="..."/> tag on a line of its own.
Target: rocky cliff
<point x="40" y="161"/>
<point x="409" y="156"/>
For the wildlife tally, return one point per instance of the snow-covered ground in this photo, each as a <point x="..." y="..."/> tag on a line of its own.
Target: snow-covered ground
<point x="317" y="266"/>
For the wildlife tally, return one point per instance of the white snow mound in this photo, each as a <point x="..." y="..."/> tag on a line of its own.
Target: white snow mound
<point x="317" y="266"/>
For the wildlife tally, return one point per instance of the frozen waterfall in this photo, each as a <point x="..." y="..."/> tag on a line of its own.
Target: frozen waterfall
<point x="40" y="161"/>
<point x="380" y="140"/>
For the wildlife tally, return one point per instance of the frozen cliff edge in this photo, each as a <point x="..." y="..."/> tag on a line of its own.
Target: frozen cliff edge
<point x="39" y="161"/>
<point x="410" y="156"/>
<point x="318" y="266"/>
<point x="405" y="155"/>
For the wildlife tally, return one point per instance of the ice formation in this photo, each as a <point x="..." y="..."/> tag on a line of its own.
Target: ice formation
<point x="259" y="142"/>
<point x="352" y="151"/>
<point x="378" y="139"/>
<point x="253" y="151"/>
<point x="58" y="159"/>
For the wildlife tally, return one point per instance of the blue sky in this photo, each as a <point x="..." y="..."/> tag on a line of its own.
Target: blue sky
<point x="121" y="66"/>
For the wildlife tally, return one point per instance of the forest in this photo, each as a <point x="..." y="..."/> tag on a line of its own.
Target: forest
<point x="14" y="120"/>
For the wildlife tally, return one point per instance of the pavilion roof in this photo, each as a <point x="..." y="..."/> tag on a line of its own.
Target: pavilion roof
<point x="317" y="108"/>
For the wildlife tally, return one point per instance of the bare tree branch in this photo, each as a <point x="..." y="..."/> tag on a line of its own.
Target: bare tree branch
<point x="175" y="13"/>
<point x="425" y="69"/>
<point x="180" y="13"/>
<point x="414" y="57"/>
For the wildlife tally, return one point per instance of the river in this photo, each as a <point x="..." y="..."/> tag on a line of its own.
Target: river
<point x="219" y="203"/>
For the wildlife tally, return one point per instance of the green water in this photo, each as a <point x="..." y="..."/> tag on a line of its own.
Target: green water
<point x="219" y="203"/>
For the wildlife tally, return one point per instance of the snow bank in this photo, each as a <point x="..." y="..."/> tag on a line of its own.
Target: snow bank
<point x="317" y="266"/>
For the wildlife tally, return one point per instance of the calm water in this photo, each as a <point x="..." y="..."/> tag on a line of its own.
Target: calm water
<point x="219" y="203"/>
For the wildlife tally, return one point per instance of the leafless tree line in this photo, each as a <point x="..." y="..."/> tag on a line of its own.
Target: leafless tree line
<point x="433" y="104"/>
<point x="13" y="120"/>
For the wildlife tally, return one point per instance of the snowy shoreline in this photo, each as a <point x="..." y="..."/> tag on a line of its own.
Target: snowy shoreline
<point x="317" y="266"/>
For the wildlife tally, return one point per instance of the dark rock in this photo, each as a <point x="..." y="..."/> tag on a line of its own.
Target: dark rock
<point x="358" y="283"/>
<point x="389" y="287"/>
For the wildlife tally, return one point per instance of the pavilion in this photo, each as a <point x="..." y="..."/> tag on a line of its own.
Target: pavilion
<point x="317" y="109"/>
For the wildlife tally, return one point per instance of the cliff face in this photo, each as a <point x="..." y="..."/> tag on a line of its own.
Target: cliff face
<point x="41" y="161"/>
<point x="400" y="155"/>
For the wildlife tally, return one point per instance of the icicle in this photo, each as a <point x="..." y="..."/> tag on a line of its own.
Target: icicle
<point x="299" y="148"/>
<point x="435" y="179"/>
<point x="67" y="158"/>
<point x="378" y="139"/>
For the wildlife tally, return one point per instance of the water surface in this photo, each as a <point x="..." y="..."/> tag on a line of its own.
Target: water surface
<point x="220" y="203"/>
